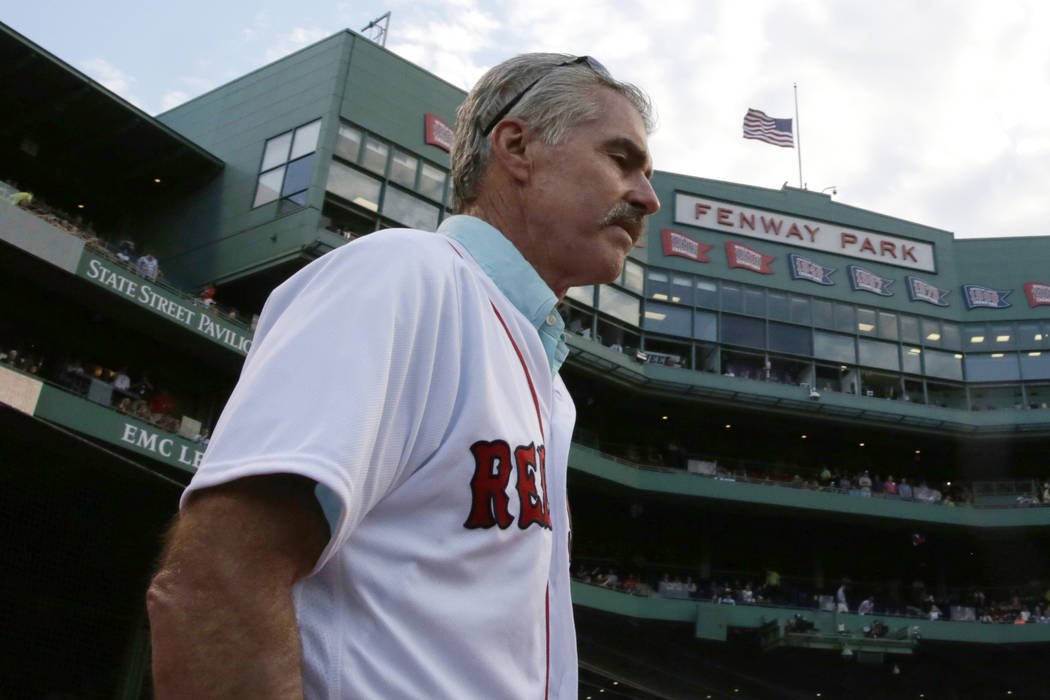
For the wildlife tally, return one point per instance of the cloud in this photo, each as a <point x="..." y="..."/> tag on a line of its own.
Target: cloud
<point x="294" y="40"/>
<point x="172" y="98"/>
<point x="112" y="78"/>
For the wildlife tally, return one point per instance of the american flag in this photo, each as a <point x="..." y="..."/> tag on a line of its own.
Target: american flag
<point x="763" y="128"/>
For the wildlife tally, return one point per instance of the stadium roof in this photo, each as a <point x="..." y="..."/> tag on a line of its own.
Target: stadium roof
<point x="69" y="138"/>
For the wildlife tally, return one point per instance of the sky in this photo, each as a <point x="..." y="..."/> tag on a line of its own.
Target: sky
<point x="936" y="112"/>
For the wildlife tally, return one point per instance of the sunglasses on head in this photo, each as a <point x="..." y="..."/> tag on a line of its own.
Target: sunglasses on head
<point x="588" y="61"/>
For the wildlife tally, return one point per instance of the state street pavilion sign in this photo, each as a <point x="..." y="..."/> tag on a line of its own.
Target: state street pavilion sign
<point x="803" y="233"/>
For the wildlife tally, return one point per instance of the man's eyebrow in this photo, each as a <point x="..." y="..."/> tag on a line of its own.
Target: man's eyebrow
<point x="635" y="154"/>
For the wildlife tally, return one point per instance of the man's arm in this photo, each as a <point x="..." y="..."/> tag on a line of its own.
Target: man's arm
<point x="220" y="607"/>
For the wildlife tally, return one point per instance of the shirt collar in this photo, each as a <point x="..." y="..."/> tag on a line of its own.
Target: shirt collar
<point x="515" y="277"/>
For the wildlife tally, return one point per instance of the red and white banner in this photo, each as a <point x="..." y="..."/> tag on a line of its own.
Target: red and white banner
<point x="438" y="133"/>
<point x="1038" y="293"/>
<point x="683" y="246"/>
<point x="748" y="258"/>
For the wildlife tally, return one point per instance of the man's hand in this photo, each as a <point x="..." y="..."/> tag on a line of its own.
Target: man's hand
<point x="220" y="607"/>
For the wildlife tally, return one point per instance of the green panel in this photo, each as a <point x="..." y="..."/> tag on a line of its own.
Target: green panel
<point x="111" y="426"/>
<point x="593" y="462"/>
<point x="37" y="237"/>
<point x="163" y="302"/>
<point x="712" y="620"/>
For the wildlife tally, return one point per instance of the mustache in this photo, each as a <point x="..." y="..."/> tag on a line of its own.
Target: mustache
<point x="624" y="213"/>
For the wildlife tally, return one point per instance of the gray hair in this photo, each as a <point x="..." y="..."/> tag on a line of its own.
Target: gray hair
<point x="562" y="98"/>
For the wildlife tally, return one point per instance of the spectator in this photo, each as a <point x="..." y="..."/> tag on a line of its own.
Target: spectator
<point x="147" y="266"/>
<point x="864" y="482"/>
<point x="841" y="604"/>
<point x="890" y="487"/>
<point x="208" y="295"/>
<point x="122" y="380"/>
<point x="125" y="250"/>
<point x="876" y="484"/>
<point x="904" y="489"/>
<point x="866" y="606"/>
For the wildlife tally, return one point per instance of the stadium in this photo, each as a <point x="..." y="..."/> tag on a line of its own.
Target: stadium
<point x="784" y="404"/>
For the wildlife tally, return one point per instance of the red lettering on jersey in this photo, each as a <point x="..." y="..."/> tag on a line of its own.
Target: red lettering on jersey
<point x="488" y="486"/>
<point x="542" y="451"/>
<point x="533" y="508"/>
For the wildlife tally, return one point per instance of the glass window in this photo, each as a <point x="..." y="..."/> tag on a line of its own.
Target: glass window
<point x="910" y="329"/>
<point x="939" y="363"/>
<point x="707" y="293"/>
<point x="305" y="139"/>
<point x="992" y="367"/>
<point x="833" y="346"/>
<point x="618" y="304"/>
<point x="665" y="318"/>
<point x="269" y="186"/>
<point x="887" y="326"/>
<point x="931" y="332"/>
<point x="1026" y="335"/>
<point x="911" y="359"/>
<point x="354" y="186"/>
<point x="777" y="306"/>
<point x="742" y="330"/>
<point x="374" y="155"/>
<point x="950" y="336"/>
<point x="732" y="298"/>
<point x="1003" y="336"/>
<point x="822" y="314"/>
<point x="297" y="177"/>
<point x="682" y="289"/>
<point x="659" y="285"/>
<point x="431" y="182"/>
<point x="876" y="353"/>
<point x="409" y="210"/>
<point x="754" y="301"/>
<point x="976" y="337"/>
<point x="866" y="321"/>
<point x="705" y="325"/>
<point x="584" y="295"/>
<point x="633" y="276"/>
<point x="276" y="151"/>
<point x="348" y="143"/>
<point x="403" y="169"/>
<point x="845" y="318"/>
<point x="800" y="310"/>
<point x="1035" y="365"/>
<point x="797" y="340"/>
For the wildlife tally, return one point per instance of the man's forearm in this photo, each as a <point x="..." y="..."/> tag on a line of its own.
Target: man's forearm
<point x="222" y="642"/>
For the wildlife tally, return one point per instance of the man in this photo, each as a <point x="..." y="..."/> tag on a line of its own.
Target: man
<point x="381" y="511"/>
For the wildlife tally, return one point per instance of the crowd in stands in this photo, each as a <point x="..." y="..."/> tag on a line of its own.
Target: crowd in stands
<point x="863" y="483"/>
<point x="123" y="252"/>
<point x="1027" y="604"/>
<point x="116" y="388"/>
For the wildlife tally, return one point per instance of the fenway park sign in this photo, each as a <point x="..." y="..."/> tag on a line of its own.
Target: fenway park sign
<point x="803" y="233"/>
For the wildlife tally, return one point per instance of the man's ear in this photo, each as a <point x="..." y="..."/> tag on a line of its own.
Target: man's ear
<point x="510" y="139"/>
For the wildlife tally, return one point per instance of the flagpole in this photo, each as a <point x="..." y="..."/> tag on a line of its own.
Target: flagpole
<point x="798" y="138"/>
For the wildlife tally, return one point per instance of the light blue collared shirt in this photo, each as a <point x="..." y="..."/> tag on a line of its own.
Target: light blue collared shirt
<point x="515" y="277"/>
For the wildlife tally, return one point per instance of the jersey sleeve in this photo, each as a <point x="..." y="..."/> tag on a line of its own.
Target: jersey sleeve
<point x="352" y="376"/>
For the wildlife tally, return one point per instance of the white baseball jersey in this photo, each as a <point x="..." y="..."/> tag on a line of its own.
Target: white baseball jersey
<point x="395" y="373"/>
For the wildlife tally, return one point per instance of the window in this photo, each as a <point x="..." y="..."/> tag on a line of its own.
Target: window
<point x="408" y="210"/>
<point x="666" y="318"/>
<point x="732" y="299"/>
<point x="866" y="321"/>
<point x="992" y="367"/>
<point x="845" y="318"/>
<point x="707" y="293"/>
<point x="947" y="365"/>
<point x="822" y="314"/>
<point x="931" y="332"/>
<point x="374" y="155"/>
<point x="705" y="325"/>
<point x="875" y="353"/>
<point x="431" y="182"/>
<point x="659" y="286"/>
<point x="797" y="340"/>
<point x="835" y="347"/>
<point x="618" y="304"/>
<point x="777" y="306"/>
<point x="348" y="143"/>
<point x="741" y="330"/>
<point x="584" y="295"/>
<point x="800" y="310"/>
<point x="754" y="301"/>
<point x="633" y="276"/>
<point x="287" y="165"/>
<point x="403" y="169"/>
<point x="887" y="325"/>
<point x="682" y="289"/>
<point x="354" y="186"/>
<point x="910" y="329"/>
<point x="911" y="359"/>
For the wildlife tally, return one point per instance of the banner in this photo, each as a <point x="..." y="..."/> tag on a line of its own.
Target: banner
<point x="919" y="290"/>
<point x="867" y="281"/>
<point x="805" y="269"/>
<point x="1038" y="293"/>
<point x="681" y="245"/>
<point x="977" y="297"/>
<point x="748" y="258"/>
